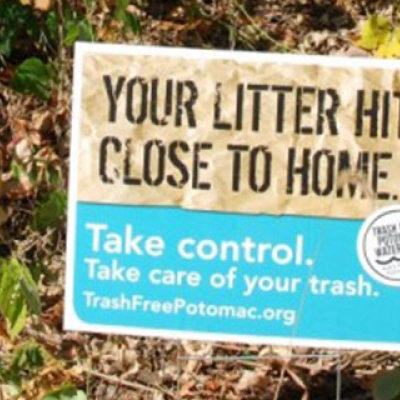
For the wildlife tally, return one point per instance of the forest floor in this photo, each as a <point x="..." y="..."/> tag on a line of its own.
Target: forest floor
<point x="129" y="368"/>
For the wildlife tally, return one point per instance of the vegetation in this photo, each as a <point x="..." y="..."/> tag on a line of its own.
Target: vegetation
<point x="37" y="37"/>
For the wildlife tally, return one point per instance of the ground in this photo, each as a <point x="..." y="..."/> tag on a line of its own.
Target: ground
<point x="33" y="130"/>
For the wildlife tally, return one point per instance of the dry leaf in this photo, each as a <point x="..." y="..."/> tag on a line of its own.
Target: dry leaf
<point x="43" y="5"/>
<point x="3" y="216"/>
<point x="248" y="379"/>
<point x="3" y="213"/>
<point x="23" y="150"/>
<point x="43" y="122"/>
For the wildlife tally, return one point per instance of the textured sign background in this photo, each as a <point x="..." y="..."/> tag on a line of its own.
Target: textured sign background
<point x="205" y="74"/>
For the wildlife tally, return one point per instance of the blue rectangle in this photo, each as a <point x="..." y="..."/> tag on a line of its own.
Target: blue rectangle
<point x="242" y="275"/>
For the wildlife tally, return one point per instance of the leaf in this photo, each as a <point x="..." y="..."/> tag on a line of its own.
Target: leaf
<point x="78" y="31"/>
<point x="77" y="27"/>
<point x="16" y="170"/>
<point x="129" y="20"/>
<point x="33" y="76"/>
<point x="387" y="386"/>
<point x="120" y="9"/>
<point x="28" y="356"/>
<point x="67" y="392"/>
<point x="3" y="216"/>
<point x="389" y="49"/>
<point x="11" y="303"/>
<point x="18" y="318"/>
<point x="52" y="25"/>
<point x="374" y="32"/>
<point x="30" y="293"/>
<point x="50" y="212"/>
<point x="6" y="43"/>
<point x="43" y="5"/>
<point x="18" y="294"/>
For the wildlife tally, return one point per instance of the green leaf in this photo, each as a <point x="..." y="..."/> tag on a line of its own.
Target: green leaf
<point x="30" y="293"/>
<point x="375" y="31"/>
<point x="387" y="386"/>
<point x="120" y="9"/>
<point x="33" y="76"/>
<point x="53" y="176"/>
<point x="78" y="31"/>
<point x="67" y="392"/>
<point x="16" y="170"/>
<point x="12" y="305"/>
<point x="29" y="356"/>
<point x="130" y="21"/>
<point x="37" y="269"/>
<point x="50" y="212"/>
<point x="18" y="294"/>
<point x="17" y="320"/>
<point x="52" y="26"/>
<point x="6" y="43"/>
<point x="89" y="4"/>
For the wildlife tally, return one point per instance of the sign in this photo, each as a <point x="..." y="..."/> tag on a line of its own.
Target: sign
<point x="235" y="196"/>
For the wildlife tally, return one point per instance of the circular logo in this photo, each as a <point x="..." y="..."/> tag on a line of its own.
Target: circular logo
<point x="379" y="245"/>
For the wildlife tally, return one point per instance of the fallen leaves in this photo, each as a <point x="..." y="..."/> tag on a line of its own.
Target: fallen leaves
<point x="34" y="146"/>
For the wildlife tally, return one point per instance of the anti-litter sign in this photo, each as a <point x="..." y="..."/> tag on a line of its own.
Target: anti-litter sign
<point x="235" y="196"/>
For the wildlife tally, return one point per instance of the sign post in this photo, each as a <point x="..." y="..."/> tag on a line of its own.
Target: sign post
<point x="235" y="196"/>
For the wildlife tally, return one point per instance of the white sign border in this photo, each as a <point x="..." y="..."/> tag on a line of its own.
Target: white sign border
<point x="71" y="319"/>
